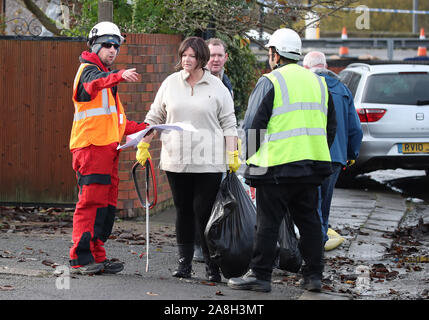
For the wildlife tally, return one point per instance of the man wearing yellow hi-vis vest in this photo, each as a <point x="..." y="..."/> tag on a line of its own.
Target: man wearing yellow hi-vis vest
<point x="290" y="124"/>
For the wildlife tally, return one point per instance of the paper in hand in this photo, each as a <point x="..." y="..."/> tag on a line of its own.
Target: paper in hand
<point x="133" y="140"/>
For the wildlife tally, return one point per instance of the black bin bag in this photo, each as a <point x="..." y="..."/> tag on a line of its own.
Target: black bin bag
<point x="289" y="258"/>
<point x="231" y="228"/>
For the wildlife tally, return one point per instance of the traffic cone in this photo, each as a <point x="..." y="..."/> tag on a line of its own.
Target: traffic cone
<point x="344" y="51"/>
<point x="421" y="51"/>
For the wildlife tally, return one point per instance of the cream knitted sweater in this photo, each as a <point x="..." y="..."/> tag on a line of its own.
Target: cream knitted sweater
<point x="208" y="106"/>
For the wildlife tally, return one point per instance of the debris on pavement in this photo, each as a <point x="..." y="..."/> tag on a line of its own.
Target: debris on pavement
<point x="402" y="272"/>
<point x="35" y="219"/>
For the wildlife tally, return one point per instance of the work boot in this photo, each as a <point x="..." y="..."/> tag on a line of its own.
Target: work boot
<point x="112" y="267"/>
<point x="312" y="283"/>
<point x="184" y="268"/>
<point x="91" y="268"/>
<point x="212" y="272"/>
<point x="250" y="282"/>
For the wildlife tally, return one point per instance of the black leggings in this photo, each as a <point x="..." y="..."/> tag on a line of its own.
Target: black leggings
<point x="193" y="195"/>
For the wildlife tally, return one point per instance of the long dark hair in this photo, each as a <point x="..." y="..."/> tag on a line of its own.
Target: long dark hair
<point x="202" y="52"/>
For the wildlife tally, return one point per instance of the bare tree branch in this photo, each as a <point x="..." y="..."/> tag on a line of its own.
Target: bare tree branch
<point x="42" y="17"/>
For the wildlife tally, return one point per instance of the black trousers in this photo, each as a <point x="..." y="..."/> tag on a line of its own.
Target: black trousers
<point x="194" y="195"/>
<point x="272" y="201"/>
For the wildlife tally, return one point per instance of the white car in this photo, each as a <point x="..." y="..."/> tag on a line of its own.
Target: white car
<point x="392" y="101"/>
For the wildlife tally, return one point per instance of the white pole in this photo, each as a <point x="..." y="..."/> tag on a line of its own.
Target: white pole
<point x="147" y="214"/>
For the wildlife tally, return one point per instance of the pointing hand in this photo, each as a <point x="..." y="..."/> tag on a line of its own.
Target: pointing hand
<point x="130" y="75"/>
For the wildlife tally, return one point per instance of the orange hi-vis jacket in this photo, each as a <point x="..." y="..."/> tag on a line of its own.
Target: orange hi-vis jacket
<point x="100" y="121"/>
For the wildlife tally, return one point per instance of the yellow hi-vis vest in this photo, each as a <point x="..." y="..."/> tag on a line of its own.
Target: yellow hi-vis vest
<point x="297" y="128"/>
<point x="100" y="121"/>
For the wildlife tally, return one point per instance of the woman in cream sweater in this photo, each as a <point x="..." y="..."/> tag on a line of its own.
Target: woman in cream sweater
<point x="194" y="161"/>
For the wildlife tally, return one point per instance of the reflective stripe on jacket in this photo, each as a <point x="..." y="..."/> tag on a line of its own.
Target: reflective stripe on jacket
<point x="100" y="121"/>
<point x="296" y="129"/>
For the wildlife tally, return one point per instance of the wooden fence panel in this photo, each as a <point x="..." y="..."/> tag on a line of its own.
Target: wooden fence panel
<point x="36" y="78"/>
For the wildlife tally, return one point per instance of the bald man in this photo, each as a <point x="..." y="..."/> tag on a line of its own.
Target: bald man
<point x="345" y="148"/>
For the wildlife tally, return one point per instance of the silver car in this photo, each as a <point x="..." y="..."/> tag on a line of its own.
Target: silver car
<point x="392" y="101"/>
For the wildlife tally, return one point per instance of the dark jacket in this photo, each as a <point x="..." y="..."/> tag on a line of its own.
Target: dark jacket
<point x="227" y="83"/>
<point x="258" y="114"/>
<point x="348" y="138"/>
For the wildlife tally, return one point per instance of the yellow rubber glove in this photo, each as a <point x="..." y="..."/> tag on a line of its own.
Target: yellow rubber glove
<point x="233" y="160"/>
<point x="142" y="152"/>
<point x="350" y="163"/>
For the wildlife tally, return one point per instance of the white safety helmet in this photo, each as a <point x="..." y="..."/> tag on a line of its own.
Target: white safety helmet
<point x="287" y="43"/>
<point x="102" y="29"/>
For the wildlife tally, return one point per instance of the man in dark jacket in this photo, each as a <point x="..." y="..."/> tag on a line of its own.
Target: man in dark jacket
<point x="218" y="58"/>
<point x="345" y="149"/>
<point x="289" y="124"/>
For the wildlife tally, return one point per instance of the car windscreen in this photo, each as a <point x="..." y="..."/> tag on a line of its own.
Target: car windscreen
<point x="410" y="88"/>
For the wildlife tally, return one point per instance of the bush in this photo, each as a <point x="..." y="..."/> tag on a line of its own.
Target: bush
<point x="243" y="69"/>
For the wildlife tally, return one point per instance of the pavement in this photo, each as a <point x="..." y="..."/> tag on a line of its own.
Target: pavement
<point x="373" y="214"/>
<point x="28" y="260"/>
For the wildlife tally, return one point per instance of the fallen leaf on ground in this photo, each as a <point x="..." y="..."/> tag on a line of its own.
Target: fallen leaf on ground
<point x="393" y="291"/>
<point x="47" y="262"/>
<point x="6" y="288"/>
<point x="327" y="288"/>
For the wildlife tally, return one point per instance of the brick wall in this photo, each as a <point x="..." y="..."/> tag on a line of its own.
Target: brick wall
<point x="154" y="56"/>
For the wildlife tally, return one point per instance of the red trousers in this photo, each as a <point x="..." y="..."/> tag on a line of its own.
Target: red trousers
<point x="96" y="170"/>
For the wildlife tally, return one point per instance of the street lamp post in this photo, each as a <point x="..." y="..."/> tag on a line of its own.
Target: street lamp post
<point x="415" y="19"/>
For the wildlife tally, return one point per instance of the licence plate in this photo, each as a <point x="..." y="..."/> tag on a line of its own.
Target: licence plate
<point x="413" y="148"/>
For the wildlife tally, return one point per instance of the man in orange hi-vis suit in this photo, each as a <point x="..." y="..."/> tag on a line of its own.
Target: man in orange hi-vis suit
<point x="98" y="126"/>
